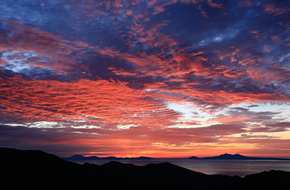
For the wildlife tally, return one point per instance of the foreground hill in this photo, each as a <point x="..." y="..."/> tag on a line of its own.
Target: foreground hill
<point x="22" y="169"/>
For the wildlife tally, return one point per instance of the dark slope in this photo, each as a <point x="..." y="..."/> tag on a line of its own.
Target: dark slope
<point x="268" y="180"/>
<point x="39" y="170"/>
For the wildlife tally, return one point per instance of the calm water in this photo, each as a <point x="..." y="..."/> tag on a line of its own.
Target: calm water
<point x="225" y="167"/>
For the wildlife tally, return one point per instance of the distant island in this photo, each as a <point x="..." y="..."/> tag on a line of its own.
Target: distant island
<point x="237" y="157"/>
<point x="81" y="157"/>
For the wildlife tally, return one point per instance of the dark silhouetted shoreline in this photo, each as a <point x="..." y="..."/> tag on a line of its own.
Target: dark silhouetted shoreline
<point x="28" y="169"/>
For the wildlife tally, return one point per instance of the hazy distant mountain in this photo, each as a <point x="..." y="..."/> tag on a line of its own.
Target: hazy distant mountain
<point x="228" y="156"/>
<point x="222" y="156"/>
<point x="237" y="157"/>
<point x="22" y="169"/>
<point x="194" y="157"/>
<point x="80" y="157"/>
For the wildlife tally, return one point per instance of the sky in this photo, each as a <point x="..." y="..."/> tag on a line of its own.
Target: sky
<point x="158" y="78"/>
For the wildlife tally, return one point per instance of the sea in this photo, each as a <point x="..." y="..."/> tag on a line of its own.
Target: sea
<point x="210" y="167"/>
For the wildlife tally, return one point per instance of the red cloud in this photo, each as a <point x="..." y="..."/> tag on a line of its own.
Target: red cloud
<point x="114" y="102"/>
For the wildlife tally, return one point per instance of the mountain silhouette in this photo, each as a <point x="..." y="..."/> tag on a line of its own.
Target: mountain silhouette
<point x="222" y="156"/>
<point x="22" y="169"/>
<point x="237" y="157"/>
<point x="81" y="157"/>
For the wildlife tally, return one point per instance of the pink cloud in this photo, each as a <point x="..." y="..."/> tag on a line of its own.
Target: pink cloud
<point x="213" y="4"/>
<point x="273" y="9"/>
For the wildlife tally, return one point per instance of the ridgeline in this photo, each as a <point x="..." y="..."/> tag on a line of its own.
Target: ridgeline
<point x="29" y="169"/>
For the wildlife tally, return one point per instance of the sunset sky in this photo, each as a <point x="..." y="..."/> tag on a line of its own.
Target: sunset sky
<point x="158" y="78"/>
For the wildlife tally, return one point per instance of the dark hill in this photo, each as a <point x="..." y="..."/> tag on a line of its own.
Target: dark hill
<point x="22" y="169"/>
